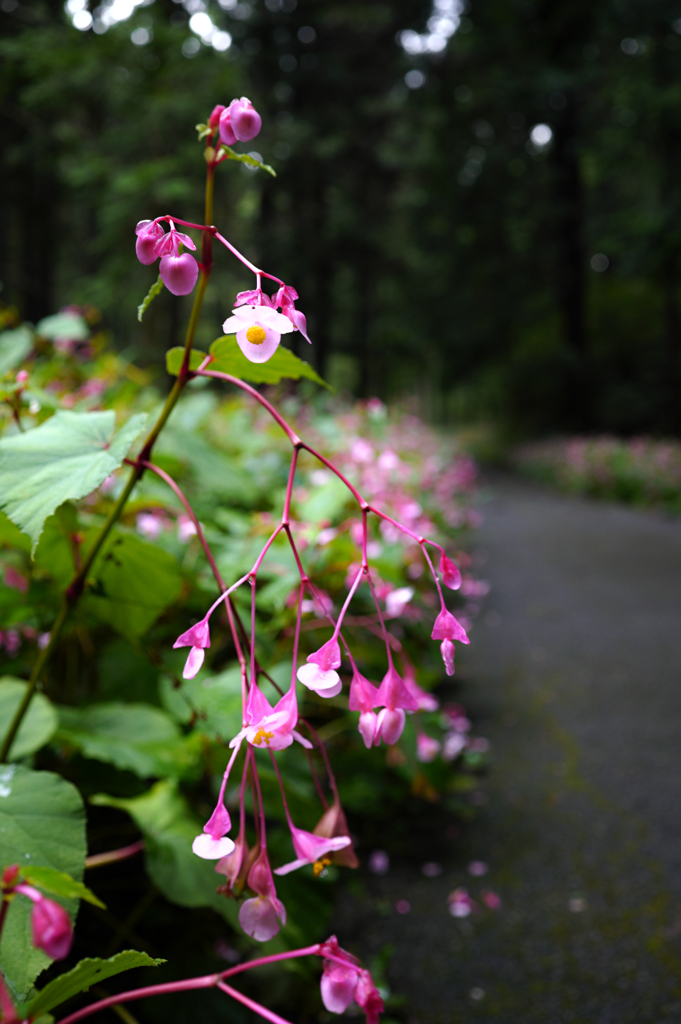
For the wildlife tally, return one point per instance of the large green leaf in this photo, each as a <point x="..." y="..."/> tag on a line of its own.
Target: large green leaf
<point x="136" y="737"/>
<point x="39" y="723"/>
<point x="14" y="347"/>
<point x="64" y="458"/>
<point x="134" y="582"/>
<point x="175" y="357"/>
<point x="58" y="883"/>
<point x="63" y="325"/>
<point x="169" y="828"/>
<point x="42" y="822"/>
<point x="228" y="358"/>
<point x="86" y="973"/>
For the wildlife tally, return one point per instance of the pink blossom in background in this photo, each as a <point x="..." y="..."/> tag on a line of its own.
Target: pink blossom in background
<point x="186" y="528"/>
<point x="150" y="525"/>
<point x="379" y="862"/>
<point x="403" y="906"/>
<point x="477" y="868"/>
<point x="15" y="580"/>
<point x="397" y="600"/>
<point x="427" y="748"/>
<point x="460" y="903"/>
<point x="453" y="744"/>
<point x="491" y="900"/>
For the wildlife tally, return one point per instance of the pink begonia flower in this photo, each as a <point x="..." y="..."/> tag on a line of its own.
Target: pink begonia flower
<point x="198" y="638"/>
<point x="215" y="113"/>
<point x="446" y="627"/>
<point x="186" y="528"/>
<point x="212" y="843"/>
<point x="491" y="900"/>
<point x="319" y="673"/>
<point x="334" y="823"/>
<point x="245" y="119"/>
<point x="169" y="244"/>
<point x="311" y="849"/>
<point x="179" y="273"/>
<point x="367" y="997"/>
<point x="451" y="577"/>
<point x="389" y="726"/>
<point x="454" y="743"/>
<point x="272" y="726"/>
<point x="258" y="331"/>
<point x="427" y="748"/>
<point x="447" y="650"/>
<point x="460" y="903"/>
<point x="426" y="701"/>
<point x="477" y="868"/>
<point x="363" y="698"/>
<point x="397" y="699"/>
<point x="149" y="525"/>
<point x="397" y="600"/>
<point x="338" y="983"/>
<point x="15" y="580"/>
<point x="254" y="297"/>
<point x="51" y="928"/>
<point x="260" y="917"/>
<point x="225" y="127"/>
<point x="148" y="233"/>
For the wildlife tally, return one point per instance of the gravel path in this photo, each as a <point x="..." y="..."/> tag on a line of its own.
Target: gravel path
<point x="574" y="674"/>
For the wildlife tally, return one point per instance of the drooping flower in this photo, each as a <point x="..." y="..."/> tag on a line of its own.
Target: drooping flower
<point x="148" y="233"/>
<point x="446" y="627"/>
<point x="364" y="698"/>
<point x="260" y="917"/>
<point x="397" y="600"/>
<point x="451" y="577"/>
<point x="179" y="273"/>
<point x="311" y="849"/>
<point x="427" y="748"/>
<point x="270" y="727"/>
<point x="245" y="119"/>
<point x="51" y="928"/>
<point x="198" y="638"/>
<point x="213" y="843"/>
<point x="232" y="865"/>
<point x="319" y="673"/>
<point x="460" y="903"/>
<point x="169" y="244"/>
<point x="338" y="983"/>
<point x="367" y="996"/>
<point x="396" y="699"/>
<point x="258" y="330"/>
<point x="334" y="823"/>
<point x="286" y="298"/>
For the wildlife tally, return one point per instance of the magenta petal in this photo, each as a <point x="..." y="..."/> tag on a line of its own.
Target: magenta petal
<point x="338" y="986"/>
<point x="394" y="694"/>
<point x="368" y="721"/>
<point x="258" y="918"/>
<point x="245" y="119"/>
<point x="179" y="273"/>
<point x="390" y="725"/>
<point x="51" y="928"/>
<point x="300" y="322"/>
<point x="225" y="127"/>
<point x="145" y="248"/>
<point x="197" y="635"/>
<point x="447" y="628"/>
<point x="450" y="574"/>
<point x="447" y="650"/>
<point x="363" y="694"/>
<point x="193" y="663"/>
<point x="219" y="822"/>
<point x="328" y="656"/>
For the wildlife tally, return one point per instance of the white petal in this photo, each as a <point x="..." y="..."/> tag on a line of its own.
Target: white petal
<point x="212" y="849"/>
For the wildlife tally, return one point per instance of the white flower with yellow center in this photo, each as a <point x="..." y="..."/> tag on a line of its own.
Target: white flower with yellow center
<point x="258" y="331"/>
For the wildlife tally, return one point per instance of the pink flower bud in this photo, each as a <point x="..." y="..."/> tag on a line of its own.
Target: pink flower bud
<point x="51" y="928"/>
<point x="427" y="748"/>
<point x="368" y="997"/>
<point x="446" y="627"/>
<point x="338" y="985"/>
<point x="148" y="234"/>
<point x="179" y="273"/>
<point x="368" y="722"/>
<point x="215" y="115"/>
<point x="226" y="132"/>
<point x="22" y="376"/>
<point x="451" y="576"/>
<point x="245" y="119"/>
<point x="394" y="694"/>
<point x="328" y="656"/>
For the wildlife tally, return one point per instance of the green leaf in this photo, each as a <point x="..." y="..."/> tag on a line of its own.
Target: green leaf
<point x="64" y="458"/>
<point x="59" y="884"/>
<point x="156" y="289"/>
<point x="228" y="358"/>
<point x="64" y="325"/>
<point x="42" y="821"/>
<point x="39" y="723"/>
<point x="135" y="581"/>
<point x="14" y="347"/>
<point x="86" y="973"/>
<point x="136" y="737"/>
<point x="216" y="700"/>
<point x="12" y="536"/>
<point x="250" y="161"/>
<point x="169" y="827"/>
<point x="174" y="357"/>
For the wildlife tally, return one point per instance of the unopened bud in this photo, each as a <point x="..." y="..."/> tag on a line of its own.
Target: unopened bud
<point x="245" y="119"/>
<point x="9" y="876"/>
<point x="214" y="118"/>
<point x="22" y="376"/>
<point x="51" y="928"/>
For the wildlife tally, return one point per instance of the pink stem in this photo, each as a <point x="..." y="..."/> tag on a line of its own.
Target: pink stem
<point x="435" y="576"/>
<point x="221" y="795"/>
<point x="327" y="762"/>
<point x="283" y="794"/>
<point x="400" y="526"/>
<point x="264" y="551"/>
<point x="315" y="778"/>
<point x="380" y="616"/>
<point x="208" y="981"/>
<point x="289" y="489"/>
<point x="235" y="252"/>
<point x="294" y="549"/>
<point x="252" y="582"/>
<point x="252" y="1005"/>
<point x="97" y="859"/>
<point x="185" y="223"/>
<point x="273" y="958"/>
<point x="296" y="635"/>
<point x="343" y="610"/>
<point x="329" y="465"/>
<point x="261" y="806"/>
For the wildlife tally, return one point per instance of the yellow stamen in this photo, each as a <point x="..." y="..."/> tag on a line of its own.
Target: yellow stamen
<point x="256" y="334"/>
<point x="260" y="736"/>
<point x="320" y="866"/>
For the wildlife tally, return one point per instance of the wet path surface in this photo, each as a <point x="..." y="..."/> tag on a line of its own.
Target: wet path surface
<point x="574" y="674"/>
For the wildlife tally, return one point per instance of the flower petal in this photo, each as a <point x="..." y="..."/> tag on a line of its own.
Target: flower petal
<point x="207" y="848"/>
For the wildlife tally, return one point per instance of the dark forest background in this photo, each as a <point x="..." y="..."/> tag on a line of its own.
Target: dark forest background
<point x="436" y="249"/>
